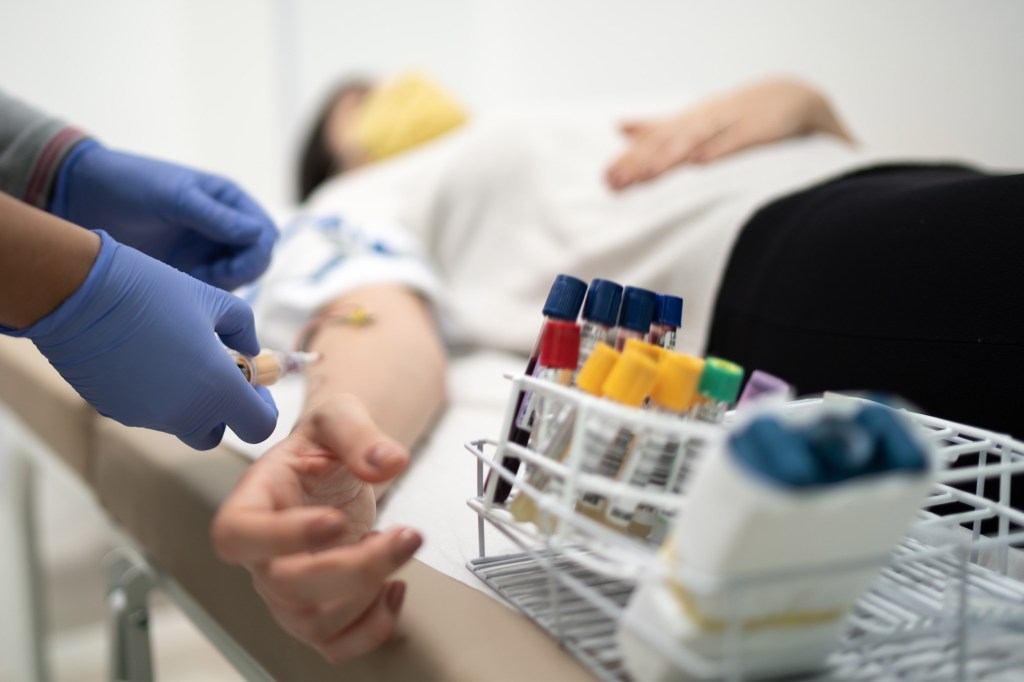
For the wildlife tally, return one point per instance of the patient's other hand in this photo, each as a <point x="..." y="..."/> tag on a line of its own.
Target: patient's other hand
<point x="300" y="522"/>
<point x="757" y="114"/>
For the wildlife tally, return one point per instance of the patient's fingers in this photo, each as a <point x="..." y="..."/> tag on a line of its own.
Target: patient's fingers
<point x="375" y="627"/>
<point x="339" y="572"/>
<point x="242" y="534"/>
<point x="634" y="127"/>
<point x="344" y="427"/>
<point x="653" y="152"/>
<point x="319" y="625"/>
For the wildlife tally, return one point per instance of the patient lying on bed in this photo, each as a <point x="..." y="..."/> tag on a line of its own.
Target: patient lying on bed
<point x="453" y="242"/>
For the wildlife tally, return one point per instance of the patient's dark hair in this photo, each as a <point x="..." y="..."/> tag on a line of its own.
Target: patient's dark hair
<point x="317" y="162"/>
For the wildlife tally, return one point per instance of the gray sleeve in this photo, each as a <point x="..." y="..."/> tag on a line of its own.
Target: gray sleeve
<point x="32" y="147"/>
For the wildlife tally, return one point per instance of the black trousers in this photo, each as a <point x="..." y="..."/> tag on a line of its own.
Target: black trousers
<point x="902" y="279"/>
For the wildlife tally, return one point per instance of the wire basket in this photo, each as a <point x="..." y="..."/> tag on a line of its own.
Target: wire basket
<point x="944" y="605"/>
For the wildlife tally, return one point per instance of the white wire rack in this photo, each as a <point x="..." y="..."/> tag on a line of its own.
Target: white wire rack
<point x="947" y="604"/>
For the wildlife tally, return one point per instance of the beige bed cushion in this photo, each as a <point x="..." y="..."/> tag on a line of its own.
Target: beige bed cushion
<point x="165" y="494"/>
<point x="33" y="391"/>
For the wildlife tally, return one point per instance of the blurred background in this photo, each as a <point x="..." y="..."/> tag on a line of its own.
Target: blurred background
<point x="228" y="85"/>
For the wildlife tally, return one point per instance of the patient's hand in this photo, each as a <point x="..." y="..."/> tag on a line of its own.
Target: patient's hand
<point x="760" y="113"/>
<point x="300" y="521"/>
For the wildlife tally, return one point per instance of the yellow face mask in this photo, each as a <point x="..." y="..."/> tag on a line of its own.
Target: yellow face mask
<point x="403" y="113"/>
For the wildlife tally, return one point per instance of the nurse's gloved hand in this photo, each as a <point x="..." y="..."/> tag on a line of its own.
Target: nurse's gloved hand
<point x="199" y="223"/>
<point x="138" y="340"/>
<point x="301" y="522"/>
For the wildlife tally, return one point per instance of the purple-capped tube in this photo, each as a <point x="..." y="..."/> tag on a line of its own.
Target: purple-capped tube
<point x="599" y="315"/>
<point x="635" y="315"/>
<point x="763" y="385"/>
<point x="668" y="318"/>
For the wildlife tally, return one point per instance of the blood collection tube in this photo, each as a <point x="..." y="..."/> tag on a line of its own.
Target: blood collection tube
<point x="607" y="443"/>
<point x="716" y="391"/>
<point x="668" y="317"/>
<point x="649" y="349"/>
<point x="588" y="380"/>
<point x="655" y="353"/>
<point x="651" y="462"/>
<point x="635" y="315"/>
<point x="599" y="315"/>
<point x="269" y="366"/>
<point x="563" y="303"/>
<point x="763" y="385"/>
<point x="719" y="385"/>
<point x="556" y="362"/>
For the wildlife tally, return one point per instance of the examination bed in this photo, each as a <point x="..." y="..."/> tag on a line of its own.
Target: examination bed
<point x="160" y="497"/>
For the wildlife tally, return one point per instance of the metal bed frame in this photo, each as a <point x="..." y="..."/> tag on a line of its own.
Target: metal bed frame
<point x="130" y="574"/>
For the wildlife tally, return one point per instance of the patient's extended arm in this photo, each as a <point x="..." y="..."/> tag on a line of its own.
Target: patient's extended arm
<point x="300" y="520"/>
<point x="763" y="112"/>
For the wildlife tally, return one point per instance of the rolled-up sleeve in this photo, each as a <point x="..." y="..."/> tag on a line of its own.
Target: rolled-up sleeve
<point x="32" y="147"/>
<point x="322" y="257"/>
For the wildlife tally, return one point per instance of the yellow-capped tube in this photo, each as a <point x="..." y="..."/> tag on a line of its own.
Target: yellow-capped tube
<point x="658" y="455"/>
<point x="607" y="444"/>
<point x="590" y="379"/>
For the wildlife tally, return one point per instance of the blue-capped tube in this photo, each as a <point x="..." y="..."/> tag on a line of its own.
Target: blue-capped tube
<point x="668" y="318"/>
<point x="599" y="315"/>
<point x="635" y="316"/>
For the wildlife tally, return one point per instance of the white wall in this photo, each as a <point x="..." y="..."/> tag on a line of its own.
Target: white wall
<point x="190" y="81"/>
<point x="915" y="76"/>
<point x="227" y="84"/>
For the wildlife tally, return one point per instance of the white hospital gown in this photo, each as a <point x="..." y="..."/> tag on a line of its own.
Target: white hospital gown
<point x="483" y="220"/>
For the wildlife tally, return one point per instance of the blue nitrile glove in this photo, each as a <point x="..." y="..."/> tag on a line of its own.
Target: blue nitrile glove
<point x="198" y="223"/>
<point x="138" y="340"/>
<point x="831" y="449"/>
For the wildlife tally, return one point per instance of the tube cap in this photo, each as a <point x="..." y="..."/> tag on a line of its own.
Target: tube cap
<point x="602" y="302"/>
<point x="676" y="381"/>
<point x="637" y="310"/>
<point x="565" y="298"/>
<point x="763" y="384"/>
<point x="631" y="379"/>
<point x="649" y="349"/>
<point x="669" y="310"/>
<point x="596" y="369"/>
<point x="720" y="380"/>
<point x="559" y="345"/>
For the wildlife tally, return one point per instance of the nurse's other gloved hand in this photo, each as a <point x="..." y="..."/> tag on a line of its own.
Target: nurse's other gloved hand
<point x="138" y="340"/>
<point x="300" y="521"/>
<point x="199" y="223"/>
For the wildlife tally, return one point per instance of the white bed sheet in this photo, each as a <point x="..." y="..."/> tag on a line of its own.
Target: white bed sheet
<point x="431" y="494"/>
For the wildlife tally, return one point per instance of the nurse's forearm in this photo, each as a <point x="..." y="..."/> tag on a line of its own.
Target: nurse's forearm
<point x="43" y="260"/>
<point x="395" y="365"/>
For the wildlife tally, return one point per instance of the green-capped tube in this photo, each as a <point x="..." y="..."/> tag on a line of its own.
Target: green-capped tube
<point x="720" y="381"/>
<point x="717" y="390"/>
